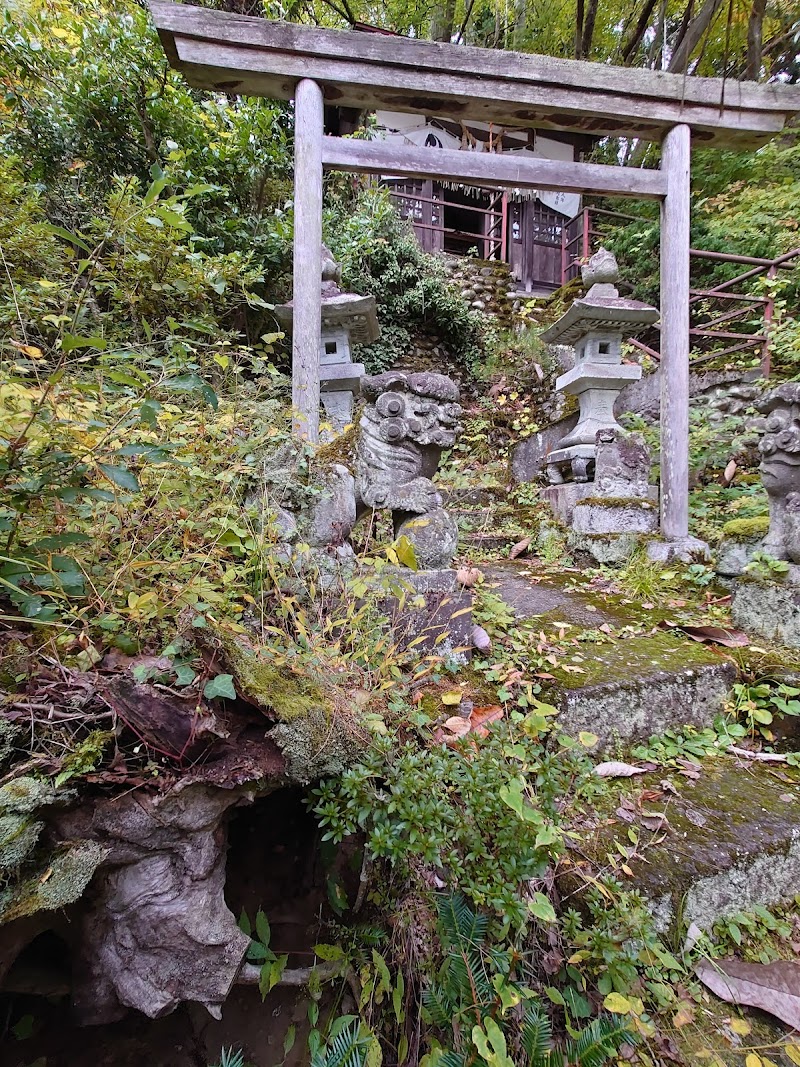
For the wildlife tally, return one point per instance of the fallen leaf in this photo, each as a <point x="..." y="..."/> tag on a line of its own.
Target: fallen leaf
<point x="451" y="698"/>
<point x="683" y="1016"/>
<point x="740" y="1026"/>
<point x="693" y="935"/>
<point x="650" y="796"/>
<point x="458" y="726"/>
<point x="588" y="740"/>
<point x="481" y="716"/>
<point x="615" y="1002"/>
<point x="520" y="547"/>
<point x="716" y="635"/>
<point x="617" y="769"/>
<point x="468" y="576"/>
<point x="752" y="1060"/>
<point x="572" y="670"/>
<point x="729" y="472"/>
<point x="695" y="817"/>
<point x="773" y="987"/>
<point x="654" y="820"/>
<point x="625" y="815"/>
<point x="793" y="1052"/>
<point x="762" y="757"/>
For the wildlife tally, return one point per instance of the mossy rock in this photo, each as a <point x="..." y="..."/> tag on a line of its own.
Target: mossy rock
<point x="18" y="837"/>
<point x="61" y="880"/>
<point x="730" y="841"/>
<point x="752" y="529"/>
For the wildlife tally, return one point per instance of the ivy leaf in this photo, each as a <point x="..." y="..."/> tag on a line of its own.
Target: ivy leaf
<point x="541" y="908"/>
<point x="120" y="476"/>
<point x="220" y="686"/>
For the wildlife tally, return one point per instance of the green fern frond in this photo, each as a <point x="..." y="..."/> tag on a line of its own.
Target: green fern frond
<point x="459" y="923"/>
<point x="601" y="1040"/>
<point x="537" y="1034"/>
<point x="439" y="1004"/>
<point x="349" y="1048"/>
<point x="452" y="1059"/>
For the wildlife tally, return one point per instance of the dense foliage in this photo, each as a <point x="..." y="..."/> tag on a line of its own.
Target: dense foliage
<point x="145" y="232"/>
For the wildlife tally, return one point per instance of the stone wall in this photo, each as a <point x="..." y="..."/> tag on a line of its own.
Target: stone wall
<point x="485" y="285"/>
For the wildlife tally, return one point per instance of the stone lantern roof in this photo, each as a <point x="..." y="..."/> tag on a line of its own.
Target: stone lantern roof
<point x="602" y="309"/>
<point x="340" y="311"/>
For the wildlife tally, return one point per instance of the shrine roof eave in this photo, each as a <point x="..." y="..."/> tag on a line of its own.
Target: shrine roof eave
<point x="217" y="50"/>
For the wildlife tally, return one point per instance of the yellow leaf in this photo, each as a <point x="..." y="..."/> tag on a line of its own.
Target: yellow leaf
<point x="793" y="1052"/>
<point x="741" y="1027"/>
<point x="753" y="1060"/>
<point x="588" y="740"/>
<point x="31" y="351"/>
<point x="684" y="1015"/>
<point x="617" y="1003"/>
<point x="451" y="698"/>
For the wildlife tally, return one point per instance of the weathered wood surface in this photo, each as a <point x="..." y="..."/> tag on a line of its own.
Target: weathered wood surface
<point x="307" y="275"/>
<point x="487" y="168"/>
<point x="675" y="215"/>
<point x="219" y="50"/>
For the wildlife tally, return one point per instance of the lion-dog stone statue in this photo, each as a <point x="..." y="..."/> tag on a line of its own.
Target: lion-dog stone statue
<point x="409" y="420"/>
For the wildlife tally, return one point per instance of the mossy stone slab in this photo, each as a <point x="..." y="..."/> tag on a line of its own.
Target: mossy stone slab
<point x="548" y="600"/>
<point x="633" y="688"/>
<point x="731" y="841"/>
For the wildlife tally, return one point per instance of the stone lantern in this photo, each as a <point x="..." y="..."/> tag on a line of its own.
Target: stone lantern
<point x="347" y="318"/>
<point x="595" y="326"/>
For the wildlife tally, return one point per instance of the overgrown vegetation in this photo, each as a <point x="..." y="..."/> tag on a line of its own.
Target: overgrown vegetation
<point x="145" y="231"/>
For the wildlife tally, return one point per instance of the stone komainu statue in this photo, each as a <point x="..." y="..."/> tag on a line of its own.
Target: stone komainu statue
<point x="780" y="469"/>
<point x="409" y="420"/>
<point x="407" y="423"/>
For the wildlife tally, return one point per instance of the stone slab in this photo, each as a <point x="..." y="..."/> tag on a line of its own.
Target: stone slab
<point x="634" y="688"/>
<point x="731" y="841"/>
<point x="432" y="606"/>
<point x="593" y="515"/>
<point x="563" y="498"/>
<point x="546" y="600"/>
<point x="769" y="610"/>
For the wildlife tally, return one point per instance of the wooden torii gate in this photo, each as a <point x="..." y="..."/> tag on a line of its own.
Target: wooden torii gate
<point x="220" y="51"/>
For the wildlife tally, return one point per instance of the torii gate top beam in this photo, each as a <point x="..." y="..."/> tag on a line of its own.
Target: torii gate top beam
<point x="255" y="57"/>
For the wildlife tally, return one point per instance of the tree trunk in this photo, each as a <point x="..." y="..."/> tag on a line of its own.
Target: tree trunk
<point x="442" y="20"/>
<point x="635" y="39"/>
<point x="588" y="29"/>
<point x="695" y="29"/>
<point x="755" y="28"/>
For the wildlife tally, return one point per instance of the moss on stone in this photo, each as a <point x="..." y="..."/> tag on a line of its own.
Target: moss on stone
<point x="636" y="658"/>
<point x="26" y="794"/>
<point x="342" y="449"/>
<point x="747" y="529"/>
<point x="289" y="695"/>
<point x="615" y="502"/>
<point x="18" y="837"/>
<point x="728" y="843"/>
<point x="60" y="881"/>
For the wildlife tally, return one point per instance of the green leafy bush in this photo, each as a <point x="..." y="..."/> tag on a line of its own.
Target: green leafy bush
<point x="380" y="255"/>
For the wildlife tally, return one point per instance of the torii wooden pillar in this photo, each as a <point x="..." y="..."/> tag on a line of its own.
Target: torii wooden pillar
<point x="224" y="52"/>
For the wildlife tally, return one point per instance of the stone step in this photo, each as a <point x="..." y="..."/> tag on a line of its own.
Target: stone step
<point x="624" y="688"/>
<point x="724" y="841"/>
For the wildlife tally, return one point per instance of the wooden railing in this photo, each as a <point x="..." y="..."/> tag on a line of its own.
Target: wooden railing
<point x="713" y="311"/>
